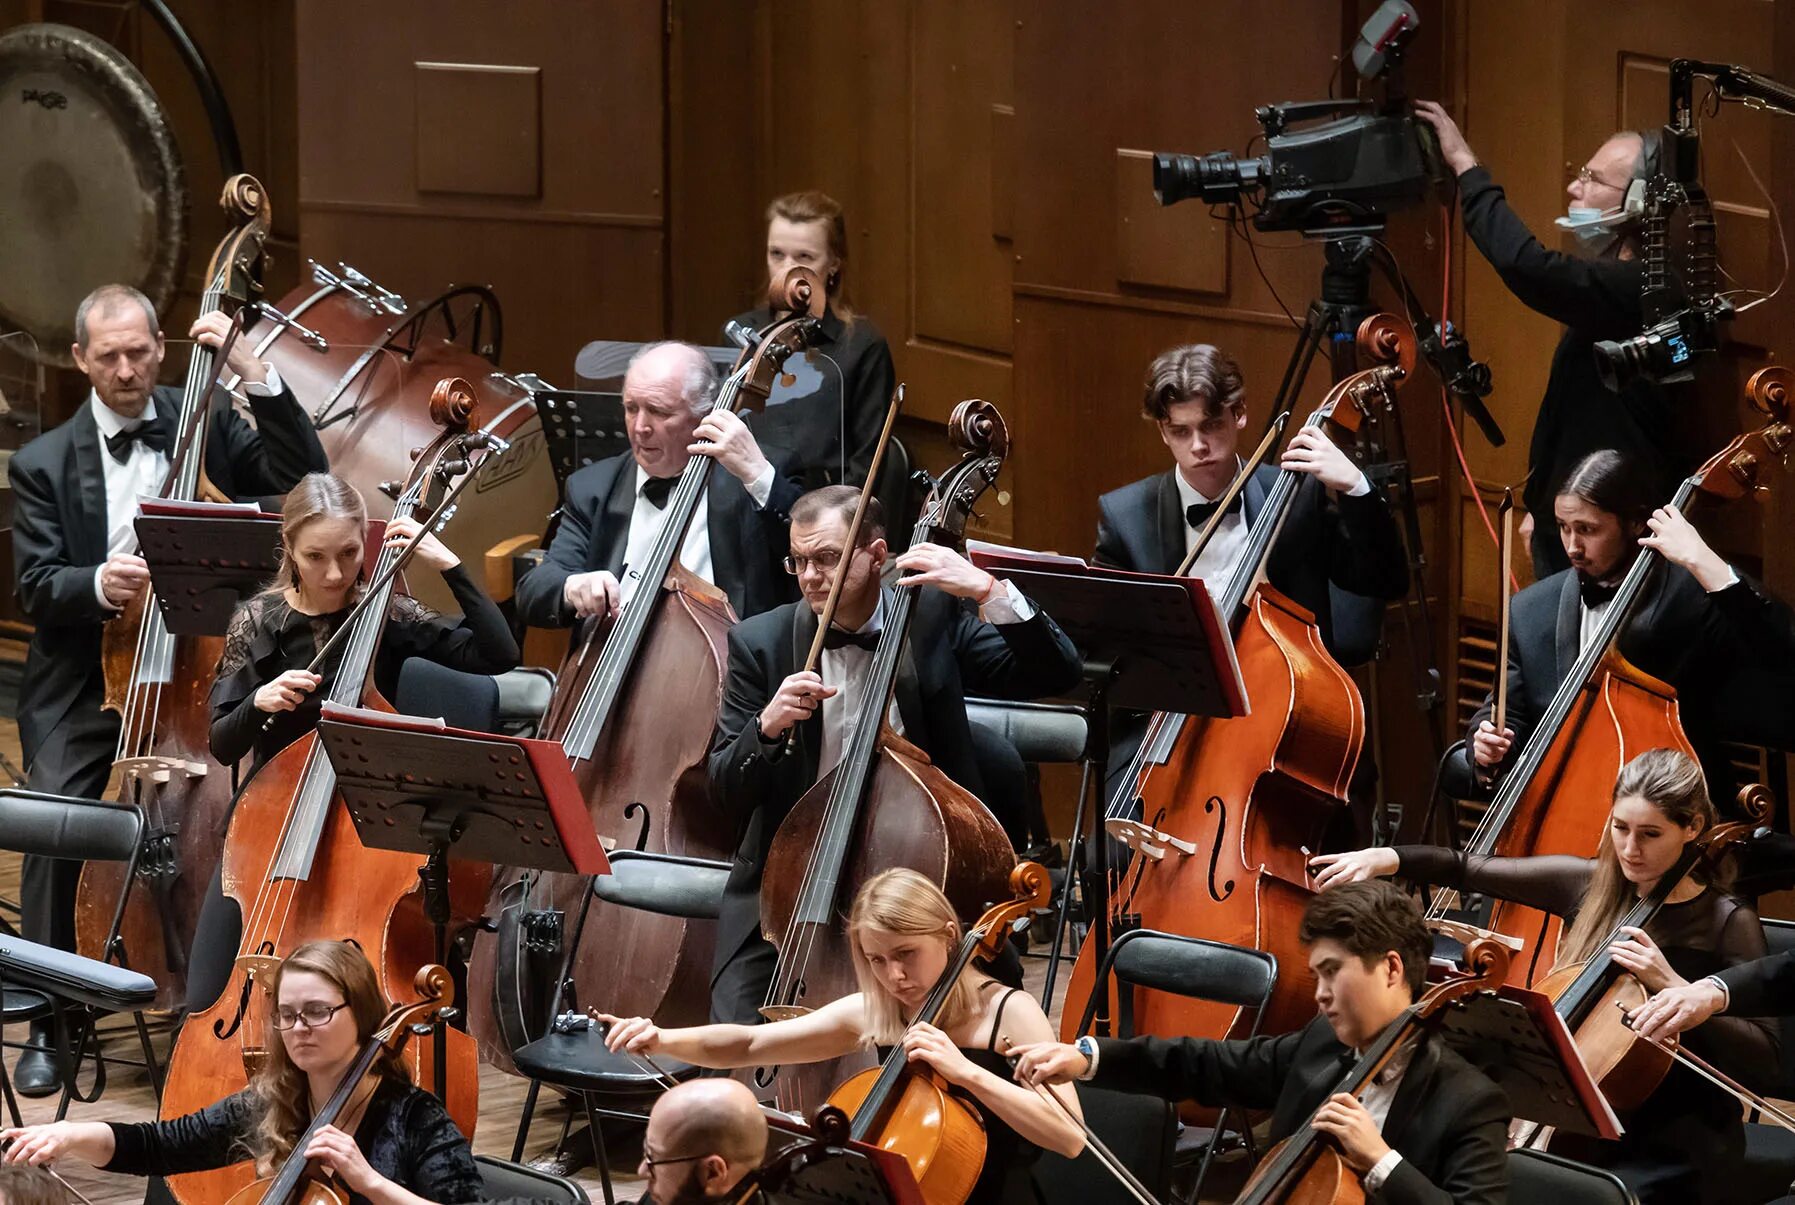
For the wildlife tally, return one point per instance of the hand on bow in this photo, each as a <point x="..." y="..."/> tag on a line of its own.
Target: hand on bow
<point x="1678" y="1009"/>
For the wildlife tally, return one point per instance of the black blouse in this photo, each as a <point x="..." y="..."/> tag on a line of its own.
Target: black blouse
<point x="828" y="406"/>
<point x="1678" y="1145"/>
<point x="406" y="1135"/>
<point x="267" y="637"/>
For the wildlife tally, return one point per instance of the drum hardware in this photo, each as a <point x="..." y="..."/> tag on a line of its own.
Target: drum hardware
<point x="407" y="334"/>
<point x="528" y="382"/>
<point x="307" y="335"/>
<point x="393" y="303"/>
<point x="324" y="276"/>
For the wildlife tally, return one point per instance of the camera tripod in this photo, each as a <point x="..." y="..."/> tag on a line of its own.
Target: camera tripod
<point x="1332" y="322"/>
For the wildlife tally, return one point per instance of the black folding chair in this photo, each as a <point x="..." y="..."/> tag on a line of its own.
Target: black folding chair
<point x="573" y="1057"/>
<point x="503" y="1180"/>
<point x="1540" y="1176"/>
<point x="1196" y="968"/>
<point x="61" y="826"/>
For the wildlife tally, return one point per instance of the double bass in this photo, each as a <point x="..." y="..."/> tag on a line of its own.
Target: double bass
<point x="1228" y="806"/>
<point x="159" y="683"/>
<point x="885" y="804"/>
<point x="294" y="862"/>
<point x="633" y="708"/>
<point x="1554" y="799"/>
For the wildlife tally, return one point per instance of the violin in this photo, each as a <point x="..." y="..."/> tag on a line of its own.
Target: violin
<point x="1228" y="806"/>
<point x="294" y="862"/>
<point x="160" y="684"/>
<point x="884" y="804"/>
<point x="899" y="1108"/>
<point x="1595" y="995"/>
<point x="298" y="1182"/>
<point x="1555" y="797"/>
<point x="634" y="706"/>
<point x="1306" y="1167"/>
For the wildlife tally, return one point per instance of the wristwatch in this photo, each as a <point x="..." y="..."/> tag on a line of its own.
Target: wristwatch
<point x="1087" y="1046"/>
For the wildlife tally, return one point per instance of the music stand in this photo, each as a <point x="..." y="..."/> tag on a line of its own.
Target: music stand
<point x="818" y="1164"/>
<point x="418" y="786"/>
<point x="1160" y="646"/>
<point x="579" y="427"/>
<point x="1517" y="1038"/>
<point x="204" y="558"/>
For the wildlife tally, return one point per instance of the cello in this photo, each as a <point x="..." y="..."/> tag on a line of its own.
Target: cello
<point x="1555" y="797"/>
<point x="1229" y="805"/>
<point x="158" y="683"/>
<point x="633" y="707"/>
<point x="885" y="804"/>
<point x="297" y="1181"/>
<point x="293" y="859"/>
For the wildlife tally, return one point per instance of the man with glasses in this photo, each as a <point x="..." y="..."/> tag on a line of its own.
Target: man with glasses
<point x="613" y="509"/>
<point x="970" y="634"/>
<point x="1596" y="296"/>
<point x="703" y="1138"/>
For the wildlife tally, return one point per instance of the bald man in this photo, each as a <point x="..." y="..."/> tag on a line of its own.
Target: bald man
<point x="613" y="509"/>
<point x="703" y="1137"/>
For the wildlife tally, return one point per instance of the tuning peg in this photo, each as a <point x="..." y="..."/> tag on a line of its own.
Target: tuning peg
<point x="392" y="489"/>
<point x="416" y="452"/>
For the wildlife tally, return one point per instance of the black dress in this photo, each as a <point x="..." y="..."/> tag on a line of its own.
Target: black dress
<point x="827" y="408"/>
<point x="1679" y="1145"/>
<point x="267" y="637"/>
<point x="1007" y="1177"/>
<point x="406" y="1135"/>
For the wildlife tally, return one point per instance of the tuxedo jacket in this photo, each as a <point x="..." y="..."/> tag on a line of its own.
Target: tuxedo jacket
<point x="748" y="543"/>
<point x="1728" y="654"/>
<point x="60" y="527"/>
<point x="1764" y="988"/>
<point x="950" y="653"/>
<point x="1448" y="1120"/>
<point x="1340" y="558"/>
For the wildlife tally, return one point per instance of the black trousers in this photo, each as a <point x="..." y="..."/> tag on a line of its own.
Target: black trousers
<point x="74" y="759"/>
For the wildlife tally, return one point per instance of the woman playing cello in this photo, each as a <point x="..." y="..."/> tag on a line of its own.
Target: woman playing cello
<point x="274" y="636"/>
<point x="903" y="933"/>
<point x="396" y="1147"/>
<point x="1680" y="1141"/>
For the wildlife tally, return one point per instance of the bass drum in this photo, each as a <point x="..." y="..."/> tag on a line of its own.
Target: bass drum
<point x="363" y="363"/>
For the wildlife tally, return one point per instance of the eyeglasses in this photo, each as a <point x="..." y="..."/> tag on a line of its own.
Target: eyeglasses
<point x="315" y="1015"/>
<point x="1584" y="175"/>
<point x="823" y="562"/>
<point x="650" y="1161"/>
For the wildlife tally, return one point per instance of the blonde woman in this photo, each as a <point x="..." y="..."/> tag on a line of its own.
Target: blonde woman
<point x="396" y="1145"/>
<point x="827" y="408"/>
<point x="903" y="933"/>
<point x="1678" y="1145"/>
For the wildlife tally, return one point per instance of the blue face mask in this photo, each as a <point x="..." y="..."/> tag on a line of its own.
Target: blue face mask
<point x="1591" y="226"/>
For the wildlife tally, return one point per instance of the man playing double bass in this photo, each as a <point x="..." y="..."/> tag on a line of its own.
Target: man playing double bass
<point x="75" y="492"/>
<point x="614" y="506"/>
<point x="971" y="635"/>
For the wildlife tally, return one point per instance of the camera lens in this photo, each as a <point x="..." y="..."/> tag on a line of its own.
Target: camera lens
<point x="1619" y="361"/>
<point x="1175" y="178"/>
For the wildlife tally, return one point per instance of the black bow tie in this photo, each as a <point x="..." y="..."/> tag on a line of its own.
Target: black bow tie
<point x="1198" y="513"/>
<point x="1595" y="593"/>
<point x="835" y="638"/>
<point x="658" y="489"/>
<point x="152" y="435"/>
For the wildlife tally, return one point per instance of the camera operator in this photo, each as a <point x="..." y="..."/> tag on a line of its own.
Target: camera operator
<point x="1596" y="296"/>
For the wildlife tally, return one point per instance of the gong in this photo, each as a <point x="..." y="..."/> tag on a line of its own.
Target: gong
<point x="91" y="186"/>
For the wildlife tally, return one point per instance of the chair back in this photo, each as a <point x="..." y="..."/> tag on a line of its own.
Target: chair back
<point x="665" y="884"/>
<point x="458" y="698"/>
<point x="1185" y="966"/>
<point x="1041" y="732"/>
<point x="503" y="1180"/>
<point x="1780" y="936"/>
<point x="64" y="826"/>
<point x="1140" y="1130"/>
<point x="894" y="493"/>
<point x="1540" y="1176"/>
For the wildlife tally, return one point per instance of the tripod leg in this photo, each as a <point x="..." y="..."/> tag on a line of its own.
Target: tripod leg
<point x="1077" y="851"/>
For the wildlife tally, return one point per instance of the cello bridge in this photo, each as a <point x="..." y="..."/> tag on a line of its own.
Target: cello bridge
<point x="1146" y="840"/>
<point x="159" y="769"/>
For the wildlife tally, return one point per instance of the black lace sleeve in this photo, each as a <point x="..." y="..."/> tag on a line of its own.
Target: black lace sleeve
<point x="436" y="1163"/>
<point x="214" y="1137"/>
<point x="480" y="644"/>
<point x="235" y="720"/>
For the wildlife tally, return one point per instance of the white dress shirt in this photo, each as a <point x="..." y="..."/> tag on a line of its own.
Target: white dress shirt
<point x="695" y="554"/>
<point x="1219" y="560"/>
<point x="848" y="666"/>
<point x="141" y="474"/>
<point x="1377" y="1098"/>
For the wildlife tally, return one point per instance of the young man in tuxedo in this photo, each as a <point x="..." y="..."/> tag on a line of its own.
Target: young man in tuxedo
<point x="970" y="634"/>
<point x="614" y="507"/>
<point x="1429" y="1128"/>
<point x="75" y="492"/>
<point x="1723" y="643"/>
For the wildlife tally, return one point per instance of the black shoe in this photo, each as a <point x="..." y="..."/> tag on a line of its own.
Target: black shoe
<point x="36" y="1073"/>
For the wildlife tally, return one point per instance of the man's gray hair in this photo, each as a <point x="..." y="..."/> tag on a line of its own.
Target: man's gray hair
<point x="699" y="384"/>
<point x="109" y="299"/>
